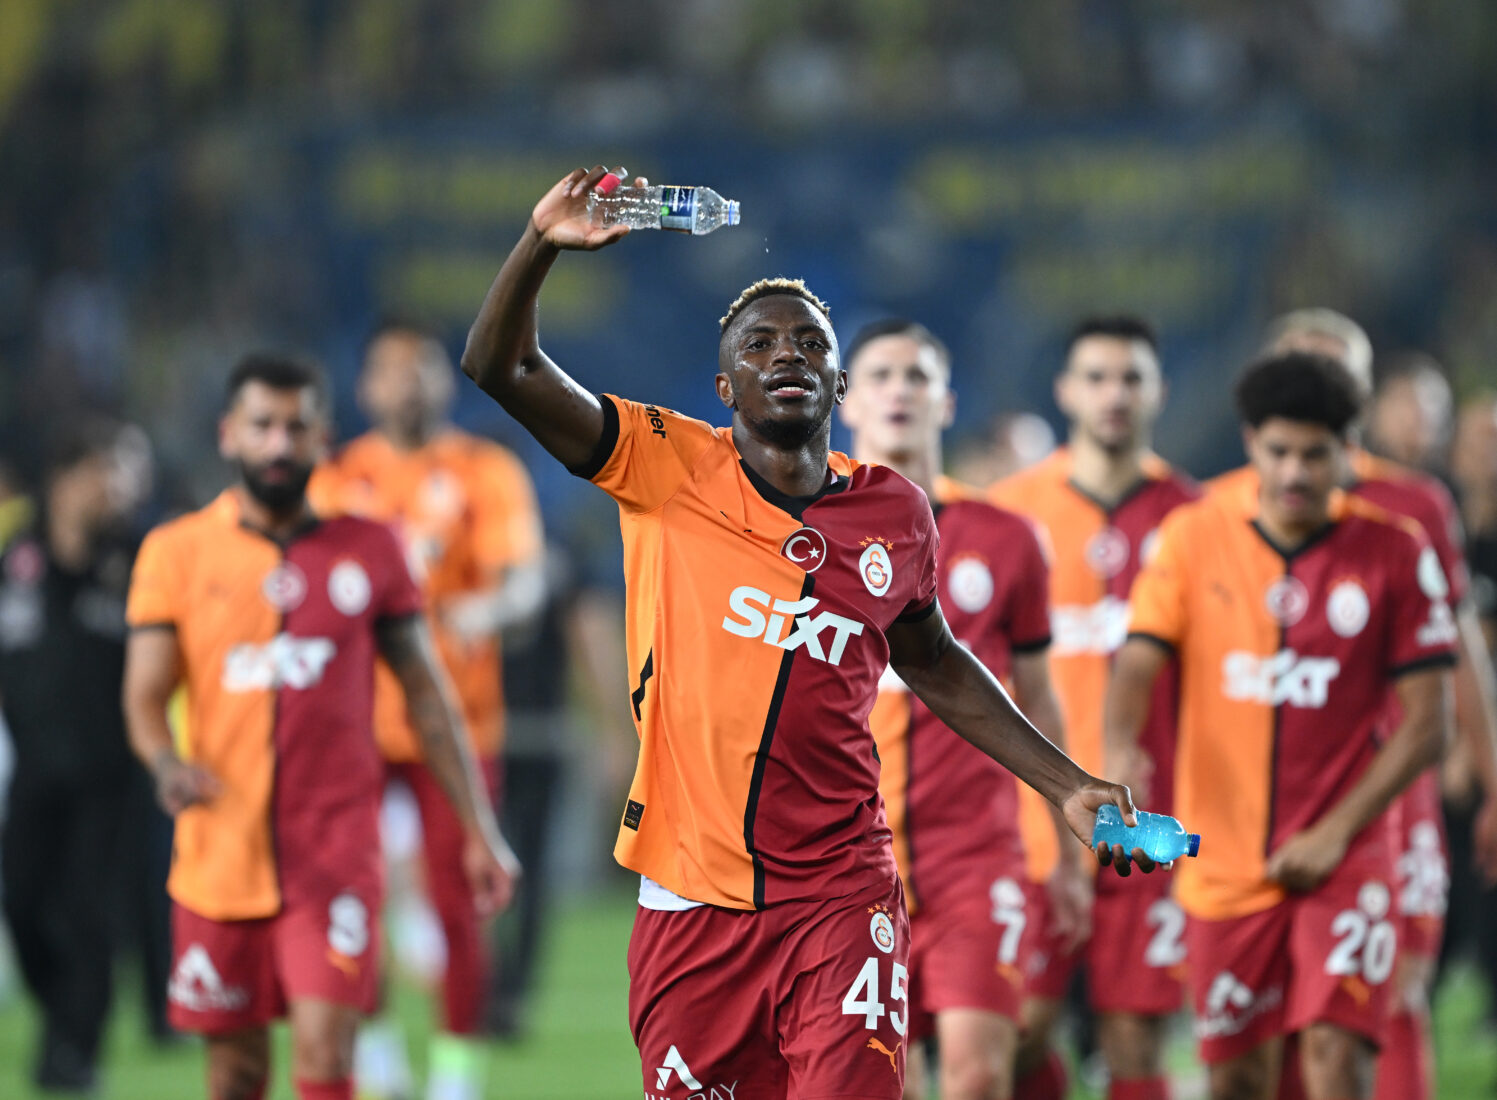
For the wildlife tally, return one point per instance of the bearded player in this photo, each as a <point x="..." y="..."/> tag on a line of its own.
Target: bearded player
<point x="1100" y="501"/>
<point x="770" y="581"/>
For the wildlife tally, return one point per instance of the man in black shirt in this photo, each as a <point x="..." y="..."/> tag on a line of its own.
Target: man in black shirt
<point x="62" y="633"/>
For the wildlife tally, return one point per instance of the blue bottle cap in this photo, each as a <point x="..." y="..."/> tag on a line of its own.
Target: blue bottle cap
<point x="1192" y="844"/>
<point x="732" y="212"/>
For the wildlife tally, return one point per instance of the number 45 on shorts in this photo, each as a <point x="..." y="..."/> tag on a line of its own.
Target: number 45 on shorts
<point x="863" y="998"/>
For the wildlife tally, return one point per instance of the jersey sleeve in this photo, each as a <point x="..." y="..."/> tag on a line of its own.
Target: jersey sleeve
<point x="1447" y="536"/>
<point x="645" y="454"/>
<point x="1029" y="613"/>
<point x="1157" y="601"/>
<point x="155" y="583"/>
<point x="396" y="594"/>
<point x="1422" y="631"/>
<point x="507" y="520"/>
<point x="923" y="602"/>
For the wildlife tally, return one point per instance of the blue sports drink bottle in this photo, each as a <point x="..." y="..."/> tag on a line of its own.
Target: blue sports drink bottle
<point x="1161" y="837"/>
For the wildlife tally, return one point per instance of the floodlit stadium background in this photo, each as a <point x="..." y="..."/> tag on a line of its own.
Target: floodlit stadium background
<point x="182" y="180"/>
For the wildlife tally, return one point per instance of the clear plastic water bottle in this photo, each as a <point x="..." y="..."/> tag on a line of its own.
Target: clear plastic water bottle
<point x="694" y="210"/>
<point x="1160" y="836"/>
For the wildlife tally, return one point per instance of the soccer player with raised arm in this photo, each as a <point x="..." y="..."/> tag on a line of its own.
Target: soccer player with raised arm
<point x="1290" y="621"/>
<point x="770" y="581"/>
<point x="1099" y="502"/>
<point x="272" y="617"/>
<point x="466" y="513"/>
<point x="1406" y="1066"/>
<point x="954" y="812"/>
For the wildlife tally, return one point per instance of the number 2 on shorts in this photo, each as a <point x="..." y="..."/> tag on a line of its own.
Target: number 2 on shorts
<point x="863" y="1000"/>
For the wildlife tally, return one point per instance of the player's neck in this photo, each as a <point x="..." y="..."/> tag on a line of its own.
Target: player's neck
<point x="1285" y="534"/>
<point x="403" y="438"/>
<point x="1102" y="474"/>
<point x="275" y="524"/>
<point x="799" y="470"/>
<point x="922" y="467"/>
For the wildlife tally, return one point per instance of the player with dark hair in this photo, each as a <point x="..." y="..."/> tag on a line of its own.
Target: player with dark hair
<point x="465" y="510"/>
<point x="1290" y="621"/>
<point x="1406" y="1068"/>
<point x="272" y="617"/>
<point x="1099" y="502"/>
<point x="770" y="581"/>
<point x="954" y="812"/>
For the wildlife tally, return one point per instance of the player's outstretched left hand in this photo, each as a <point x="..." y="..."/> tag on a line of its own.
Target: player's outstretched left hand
<point x="493" y="872"/>
<point x="1080" y="810"/>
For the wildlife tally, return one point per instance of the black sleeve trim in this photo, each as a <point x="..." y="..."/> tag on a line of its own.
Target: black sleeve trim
<point x="919" y="614"/>
<point x="1437" y="660"/>
<point x="1036" y="645"/>
<point x="608" y="442"/>
<point x="163" y="624"/>
<point x="1162" y="643"/>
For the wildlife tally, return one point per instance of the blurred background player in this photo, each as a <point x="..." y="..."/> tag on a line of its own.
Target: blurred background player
<point x="1290" y="614"/>
<point x="1473" y="900"/>
<point x="1406" y="1065"/>
<point x="768" y="885"/>
<point x="1411" y="414"/>
<point x="953" y="811"/>
<point x="273" y="618"/>
<point x="466" y="513"/>
<point x="68" y="831"/>
<point x="1098" y="503"/>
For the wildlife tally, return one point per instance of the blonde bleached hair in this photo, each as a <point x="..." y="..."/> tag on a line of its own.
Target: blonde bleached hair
<point x="796" y="288"/>
<point x="1318" y="321"/>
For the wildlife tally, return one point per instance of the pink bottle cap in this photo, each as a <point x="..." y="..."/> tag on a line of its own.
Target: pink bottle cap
<point x="610" y="182"/>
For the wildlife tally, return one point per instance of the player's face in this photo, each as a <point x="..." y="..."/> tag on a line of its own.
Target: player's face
<point x="779" y="371"/>
<point x="898" y="399"/>
<point x="1298" y="465"/>
<point x="1111" y="391"/>
<point x="274" y="437"/>
<point x="405" y="388"/>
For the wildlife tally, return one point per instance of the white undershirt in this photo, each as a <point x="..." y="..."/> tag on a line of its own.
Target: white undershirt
<point x="654" y="896"/>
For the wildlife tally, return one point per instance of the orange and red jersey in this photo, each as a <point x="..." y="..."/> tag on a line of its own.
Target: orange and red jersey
<point x="1095" y="551"/>
<point x="1424" y="500"/>
<point x="755" y="632"/>
<point x="953" y="809"/>
<point x="1285" y="665"/>
<point x="278" y="649"/>
<point x="465" y="509"/>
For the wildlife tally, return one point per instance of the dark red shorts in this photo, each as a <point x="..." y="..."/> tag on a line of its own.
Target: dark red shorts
<point x="1047" y="965"/>
<point x="1135" y="959"/>
<point x="803" y="999"/>
<point x="230" y="975"/>
<point x="1321" y="957"/>
<point x="1423" y="869"/>
<point x="964" y="953"/>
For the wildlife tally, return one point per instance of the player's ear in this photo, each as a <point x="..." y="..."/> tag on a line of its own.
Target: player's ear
<point x="839" y="388"/>
<point x="948" y="414"/>
<point x="1059" y="390"/>
<point x="225" y="430"/>
<point x="724" y="388"/>
<point x="1249" y="435"/>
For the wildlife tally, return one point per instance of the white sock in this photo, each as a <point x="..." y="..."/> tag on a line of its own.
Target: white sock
<point x="381" y="1066"/>
<point x="456" y="1068"/>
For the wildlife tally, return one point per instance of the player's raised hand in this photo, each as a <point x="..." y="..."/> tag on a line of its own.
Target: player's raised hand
<point x="180" y="784"/>
<point x="562" y="219"/>
<point x="1080" y="810"/>
<point x="493" y="872"/>
<point x="1305" y="860"/>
